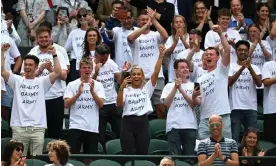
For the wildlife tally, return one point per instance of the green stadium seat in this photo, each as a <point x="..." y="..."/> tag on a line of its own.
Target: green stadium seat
<point x="5" y="129"/>
<point x="141" y="163"/>
<point x="181" y="163"/>
<point x="76" y="163"/>
<point x="4" y="142"/>
<point x="46" y="141"/>
<point x="265" y="145"/>
<point x="157" y="128"/>
<point x="158" y="147"/>
<point x="103" y="162"/>
<point x="35" y="162"/>
<point x="100" y="148"/>
<point x="113" y="147"/>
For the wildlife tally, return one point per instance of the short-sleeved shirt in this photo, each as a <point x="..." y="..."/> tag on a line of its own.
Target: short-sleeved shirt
<point x="207" y="147"/>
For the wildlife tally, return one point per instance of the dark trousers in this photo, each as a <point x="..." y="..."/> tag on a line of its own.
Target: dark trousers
<point x="135" y="136"/>
<point x="182" y="137"/>
<point x="247" y="118"/>
<point x="109" y="113"/>
<point x="269" y="124"/>
<point x="260" y="97"/>
<point x="77" y="137"/>
<point x="54" y="113"/>
<point x="73" y="74"/>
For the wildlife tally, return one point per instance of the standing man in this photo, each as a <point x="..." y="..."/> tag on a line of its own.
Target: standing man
<point x="243" y="79"/>
<point x="28" y="119"/>
<point x="212" y="96"/>
<point x="54" y="96"/>
<point x="181" y="121"/>
<point x="217" y="149"/>
<point x="84" y="97"/>
<point x="144" y="47"/>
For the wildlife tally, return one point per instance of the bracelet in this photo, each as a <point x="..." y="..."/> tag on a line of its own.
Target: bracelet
<point x="120" y="89"/>
<point x="55" y="55"/>
<point x="225" y="159"/>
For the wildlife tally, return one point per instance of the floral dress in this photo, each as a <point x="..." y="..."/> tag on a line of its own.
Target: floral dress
<point x="33" y="8"/>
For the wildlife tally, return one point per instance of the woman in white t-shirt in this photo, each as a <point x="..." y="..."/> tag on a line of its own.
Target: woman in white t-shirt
<point x="176" y="43"/>
<point x="260" y="52"/>
<point x="92" y="38"/>
<point x="134" y="96"/>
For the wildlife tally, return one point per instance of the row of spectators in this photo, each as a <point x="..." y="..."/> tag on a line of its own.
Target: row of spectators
<point x="69" y="67"/>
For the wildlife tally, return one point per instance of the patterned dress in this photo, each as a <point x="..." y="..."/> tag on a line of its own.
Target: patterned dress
<point x="32" y="8"/>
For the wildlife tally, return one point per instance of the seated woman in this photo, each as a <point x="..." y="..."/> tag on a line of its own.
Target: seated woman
<point x="250" y="147"/>
<point x="12" y="154"/>
<point x="58" y="152"/>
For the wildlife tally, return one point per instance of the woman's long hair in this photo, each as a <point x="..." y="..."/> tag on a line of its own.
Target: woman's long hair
<point x="257" y="19"/>
<point x="173" y="28"/>
<point x="194" y="19"/>
<point x="86" y="50"/>
<point x="8" y="151"/>
<point x="256" y="149"/>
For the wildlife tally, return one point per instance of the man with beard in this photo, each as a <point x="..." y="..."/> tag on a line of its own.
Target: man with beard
<point x="243" y="79"/>
<point x="53" y="97"/>
<point x="212" y="96"/>
<point x="217" y="149"/>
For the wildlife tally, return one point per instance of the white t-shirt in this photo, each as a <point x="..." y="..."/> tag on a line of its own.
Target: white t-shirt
<point x="145" y="51"/>
<point x="137" y="101"/>
<point x="3" y="85"/>
<point x="214" y="92"/>
<point x="180" y="114"/>
<point x="178" y="49"/>
<point x="269" y="71"/>
<point x="28" y="108"/>
<point x="63" y="51"/>
<point x="12" y="52"/>
<point x="197" y="73"/>
<point x="258" y="57"/>
<point x="14" y="35"/>
<point x="122" y="50"/>
<point x="212" y="39"/>
<point x="196" y="57"/>
<point x="84" y="113"/>
<point x="107" y="77"/>
<point x="242" y="94"/>
<point x="272" y="44"/>
<point x="57" y="89"/>
<point x="74" y="44"/>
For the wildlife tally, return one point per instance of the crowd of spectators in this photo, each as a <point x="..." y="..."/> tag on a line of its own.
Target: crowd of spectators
<point x="206" y="66"/>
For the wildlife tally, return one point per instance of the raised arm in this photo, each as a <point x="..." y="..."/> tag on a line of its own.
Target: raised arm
<point x="132" y="37"/>
<point x="157" y="25"/>
<point x="226" y="47"/>
<point x="4" y="73"/>
<point x="158" y="65"/>
<point x="57" y="69"/>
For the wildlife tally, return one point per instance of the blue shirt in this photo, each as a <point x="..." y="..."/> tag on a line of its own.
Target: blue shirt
<point x="234" y="23"/>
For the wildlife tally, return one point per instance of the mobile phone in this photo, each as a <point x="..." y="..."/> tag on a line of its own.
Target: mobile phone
<point x="121" y="14"/>
<point x="63" y="13"/>
<point x="196" y="86"/>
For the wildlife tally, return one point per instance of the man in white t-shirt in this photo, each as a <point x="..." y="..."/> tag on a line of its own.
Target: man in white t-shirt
<point x="119" y="34"/>
<point x="28" y="118"/>
<point x="54" y="96"/>
<point x="243" y="79"/>
<point x="271" y="39"/>
<point x="144" y="45"/>
<point x="84" y="97"/>
<point x="213" y="93"/>
<point x="107" y="72"/>
<point x="12" y="52"/>
<point x="181" y="124"/>
<point x="269" y="81"/>
<point x="212" y="39"/>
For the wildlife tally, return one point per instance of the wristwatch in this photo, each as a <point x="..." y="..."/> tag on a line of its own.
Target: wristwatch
<point x="225" y="159"/>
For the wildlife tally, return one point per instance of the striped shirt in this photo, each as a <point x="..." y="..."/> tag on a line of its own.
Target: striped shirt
<point x="227" y="146"/>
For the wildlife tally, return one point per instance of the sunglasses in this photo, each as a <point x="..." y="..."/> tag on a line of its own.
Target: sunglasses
<point x="212" y="125"/>
<point x="18" y="149"/>
<point x="84" y="15"/>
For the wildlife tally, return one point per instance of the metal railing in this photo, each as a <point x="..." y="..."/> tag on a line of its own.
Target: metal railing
<point x="122" y="159"/>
